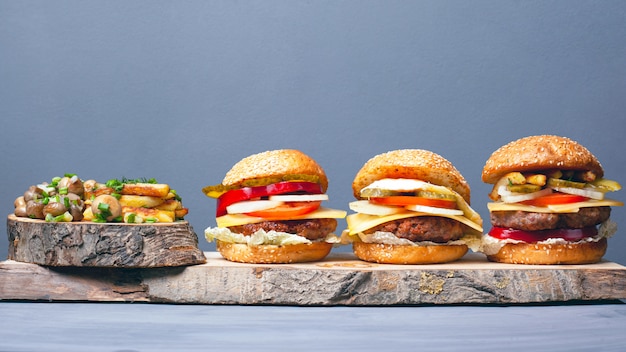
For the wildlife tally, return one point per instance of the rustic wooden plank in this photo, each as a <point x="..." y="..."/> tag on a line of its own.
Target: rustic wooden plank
<point x="31" y="282"/>
<point x="89" y="244"/>
<point x="339" y="280"/>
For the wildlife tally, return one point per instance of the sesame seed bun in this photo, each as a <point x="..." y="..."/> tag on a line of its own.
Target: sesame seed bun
<point x="533" y="253"/>
<point x="412" y="164"/>
<point x="537" y="154"/>
<point x="400" y="254"/>
<point x="542" y="152"/>
<point x="272" y="254"/>
<point x="416" y="164"/>
<point x="274" y="163"/>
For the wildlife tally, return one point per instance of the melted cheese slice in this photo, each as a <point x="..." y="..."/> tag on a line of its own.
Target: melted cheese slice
<point x="229" y="220"/>
<point x="555" y="208"/>
<point x="360" y="222"/>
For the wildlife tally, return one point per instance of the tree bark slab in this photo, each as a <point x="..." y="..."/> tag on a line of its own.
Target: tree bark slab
<point x="340" y="279"/>
<point x="88" y="244"/>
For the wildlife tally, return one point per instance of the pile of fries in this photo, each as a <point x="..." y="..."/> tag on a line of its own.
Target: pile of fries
<point x="141" y="202"/>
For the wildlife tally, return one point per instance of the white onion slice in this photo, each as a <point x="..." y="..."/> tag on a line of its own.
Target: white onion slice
<point x="503" y="191"/>
<point x="251" y="205"/>
<point x="520" y="197"/>
<point x="433" y="210"/>
<point x="365" y="207"/>
<point x="585" y="192"/>
<point x="299" y="197"/>
<point x="46" y="188"/>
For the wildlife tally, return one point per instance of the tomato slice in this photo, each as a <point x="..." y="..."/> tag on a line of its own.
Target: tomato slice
<point x="413" y="200"/>
<point x="554" y="198"/>
<point x="286" y="210"/>
<point x="571" y="235"/>
<point x="246" y="193"/>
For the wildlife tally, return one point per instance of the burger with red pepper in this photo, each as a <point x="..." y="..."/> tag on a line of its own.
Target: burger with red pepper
<point x="269" y="210"/>
<point x="412" y="207"/>
<point x="549" y="204"/>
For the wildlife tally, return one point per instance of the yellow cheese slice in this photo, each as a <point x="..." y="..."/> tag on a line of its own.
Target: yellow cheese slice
<point x="229" y="220"/>
<point x="555" y="208"/>
<point x="360" y="222"/>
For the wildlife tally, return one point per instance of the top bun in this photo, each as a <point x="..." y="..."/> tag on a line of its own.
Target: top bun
<point x="536" y="153"/>
<point x="272" y="164"/>
<point x="415" y="164"/>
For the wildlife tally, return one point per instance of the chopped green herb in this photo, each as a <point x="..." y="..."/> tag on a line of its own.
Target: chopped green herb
<point x="65" y="217"/>
<point x="104" y="207"/>
<point x="176" y="196"/>
<point x="55" y="181"/>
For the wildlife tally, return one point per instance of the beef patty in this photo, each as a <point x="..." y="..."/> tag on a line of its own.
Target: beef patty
<point x="312" y="229"/>
<point x="528" y="221"/>
<point x="423" y="228"/>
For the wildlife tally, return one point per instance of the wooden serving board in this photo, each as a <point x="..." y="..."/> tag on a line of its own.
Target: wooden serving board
<point x="90" y="244"/>
<point x="338" y="280"/>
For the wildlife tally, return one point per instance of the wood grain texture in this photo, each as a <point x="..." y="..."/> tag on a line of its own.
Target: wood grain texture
<point x="88" y="244"/>
<point x="339" y="280"/>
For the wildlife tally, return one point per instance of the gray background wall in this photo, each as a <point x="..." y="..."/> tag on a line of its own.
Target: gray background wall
<point x="181" y="90"/>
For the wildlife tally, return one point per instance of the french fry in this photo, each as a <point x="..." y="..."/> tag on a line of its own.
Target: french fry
<point x="516" y="178"/>
<point x="140" y="201"/>
<point x="87" y="214"/>
<point x="536" y="179"/>
<point x="180" y="213"/>
<point x="94" y="189"/>
<point x="146" y="213"/>
<point x="159" y="190"/>
<point x="169" y="204"/>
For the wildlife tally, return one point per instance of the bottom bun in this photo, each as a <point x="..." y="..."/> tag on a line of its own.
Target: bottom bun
<point x="533" y="253"/>
<point x="398" y="254"/>
<point x="272" y="254"/>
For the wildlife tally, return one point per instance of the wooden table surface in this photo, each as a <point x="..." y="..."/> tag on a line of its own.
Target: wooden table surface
<point x="128" y="327"/>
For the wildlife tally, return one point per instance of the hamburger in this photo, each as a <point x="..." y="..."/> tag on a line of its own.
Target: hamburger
<point x="269" y="210"/>
<point x="549" y="204"/>
<point x="412" y="207"/>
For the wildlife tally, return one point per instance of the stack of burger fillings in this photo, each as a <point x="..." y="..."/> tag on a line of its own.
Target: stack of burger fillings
<point x="549" y="196"/>
<point x="412" y="208"/>
<point x="269" y="210"/>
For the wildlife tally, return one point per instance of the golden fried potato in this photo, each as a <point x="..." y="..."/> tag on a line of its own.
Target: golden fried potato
<point x="169" y="204"/>
<point x="144" y="214"/>
<point x="140" y="201"/>
<point x="159" y="190"/>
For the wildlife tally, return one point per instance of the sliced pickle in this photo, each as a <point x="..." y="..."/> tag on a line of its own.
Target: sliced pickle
<point x="606" y="184"/>
<point x="557" y="182"/>
<point x="264" y="181"/>
<point x="435" y="195"/>
<point x="214" y="191"/>
<point x="377" y="192"/>
<point x="526" y="188"/>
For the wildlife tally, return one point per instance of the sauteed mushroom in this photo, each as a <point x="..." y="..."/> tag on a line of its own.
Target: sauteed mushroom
<point x="106" y="207"/>
<point x="34" y="209"/>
